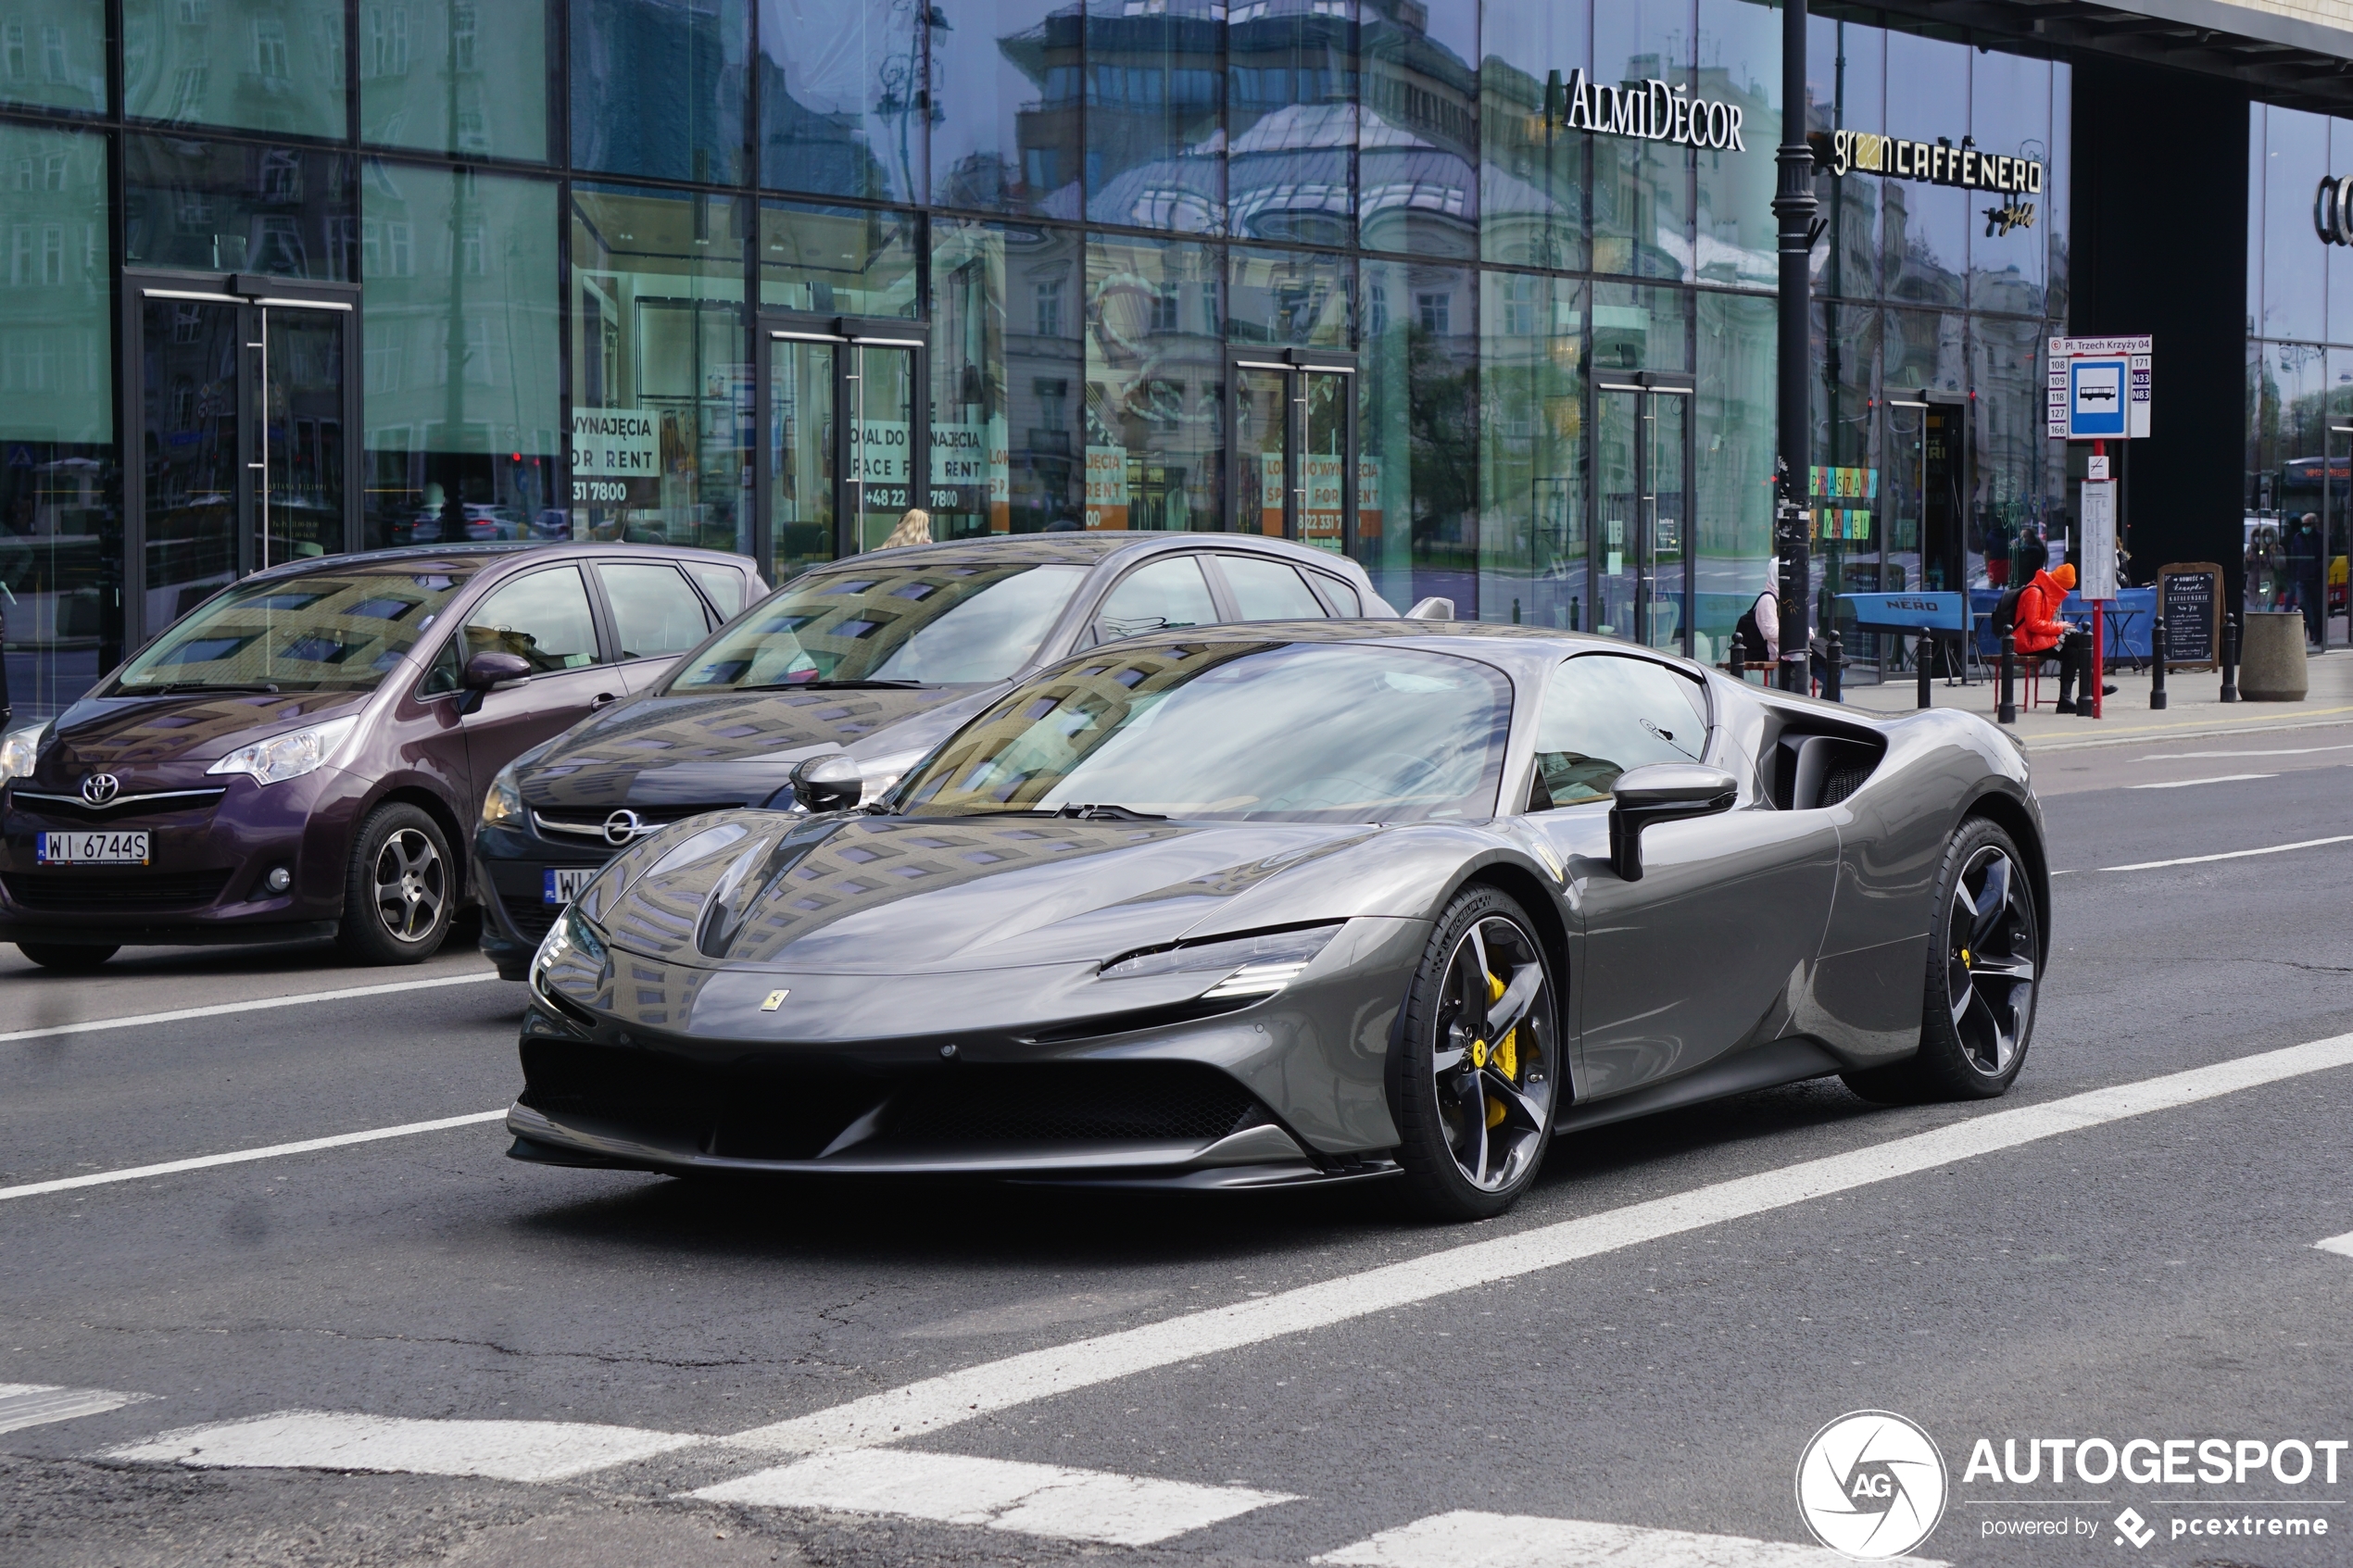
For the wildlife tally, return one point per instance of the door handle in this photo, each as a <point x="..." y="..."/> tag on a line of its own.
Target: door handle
<point x="602" y="699"/>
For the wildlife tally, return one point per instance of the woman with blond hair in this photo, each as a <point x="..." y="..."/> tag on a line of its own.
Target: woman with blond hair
<point x="914" y="528"/>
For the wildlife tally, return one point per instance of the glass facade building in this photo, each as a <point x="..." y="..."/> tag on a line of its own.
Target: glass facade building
<point x="296" y="277"/>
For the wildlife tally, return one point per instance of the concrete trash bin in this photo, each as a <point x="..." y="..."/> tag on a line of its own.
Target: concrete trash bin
<point x="2271" y="657"/>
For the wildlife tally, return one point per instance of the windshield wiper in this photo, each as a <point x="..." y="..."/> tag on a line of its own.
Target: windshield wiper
<point x="834" y="687"/>
<point x="171" y="686"/>
<point x="1111" y="813"/>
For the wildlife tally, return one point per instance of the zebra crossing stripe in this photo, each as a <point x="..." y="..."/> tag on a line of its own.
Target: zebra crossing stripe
<point x="1468" y="1539"/>
<point x="37" y="1404"/>
<point x="504" y="1451"/>
<point x="1037" y="1500"/>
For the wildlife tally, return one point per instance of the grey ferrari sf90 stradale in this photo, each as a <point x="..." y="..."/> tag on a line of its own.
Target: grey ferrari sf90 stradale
<point x="1305" y="902"/>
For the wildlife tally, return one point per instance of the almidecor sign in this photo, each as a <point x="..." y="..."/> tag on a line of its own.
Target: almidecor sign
<point x="1653" y="110"/>
<point x="1933" y="163"/>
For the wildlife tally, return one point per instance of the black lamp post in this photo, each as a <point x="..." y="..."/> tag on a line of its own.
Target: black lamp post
<point x="1794" y="205"/>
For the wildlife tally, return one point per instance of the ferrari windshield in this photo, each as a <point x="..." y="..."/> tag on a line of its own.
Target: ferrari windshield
<point x="326" y="631"/>
<point x="942" y="623"/>
<point x="1289" y="732"/>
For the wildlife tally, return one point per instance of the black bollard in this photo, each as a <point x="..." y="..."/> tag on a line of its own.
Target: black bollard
<point x="1922" y="652"/>
<point x="2007" y="713"/>
<point x="1835" y="657"/>
<point x="2156" y="664"/>
<point x="2231" y="659"/>
<point x="1732" y="666"/>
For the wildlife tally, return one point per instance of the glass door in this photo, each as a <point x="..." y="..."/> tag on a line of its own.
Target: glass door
<point x="1639" y="564"/>
<point x="242" y="411"/>
<point x="883" y="436"/>
<point x="847" y="435"/>
<point x="803" y="477"/>
<point x="1292" y="450"/>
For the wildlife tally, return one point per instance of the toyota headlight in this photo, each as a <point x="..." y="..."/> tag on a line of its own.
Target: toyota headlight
<point x="1257" y="965"/>
<point x="504" y="802"/>
<point x="19" y="749"/>
<point x="288" y="756"/>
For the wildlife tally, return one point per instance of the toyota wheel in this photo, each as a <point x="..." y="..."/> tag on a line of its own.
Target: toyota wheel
<point x="1477" y="1073"/>
<point x="401" y="891"/>
<point x="1984" y="953"/>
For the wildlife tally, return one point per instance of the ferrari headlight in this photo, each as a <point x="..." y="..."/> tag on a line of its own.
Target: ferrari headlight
<point x="288" y="756"/>
<point x="504" y="801"/>
<point x="18" y="749"/>
<point x="573" y="933"/>
<point x="1256" y="965"/>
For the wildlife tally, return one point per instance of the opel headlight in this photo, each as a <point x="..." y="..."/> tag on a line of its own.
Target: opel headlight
<point x="288" y="756"/>
<point x="1257" y="965"/>
<point x="18" y="749"/>
<point x="504" y="802"/>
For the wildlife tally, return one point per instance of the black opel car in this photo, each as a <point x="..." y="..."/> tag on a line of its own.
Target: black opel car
<point x="882" y="656"/>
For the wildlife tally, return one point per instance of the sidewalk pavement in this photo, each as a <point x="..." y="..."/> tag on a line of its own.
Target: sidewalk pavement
<point x="2193" y="706"/>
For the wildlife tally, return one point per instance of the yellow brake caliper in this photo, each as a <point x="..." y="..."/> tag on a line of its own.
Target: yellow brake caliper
<point x="1507" y="1052"/>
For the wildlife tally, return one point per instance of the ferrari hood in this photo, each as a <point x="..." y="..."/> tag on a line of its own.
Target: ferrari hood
<point x="136" y="735"/>
<point x="734" y="745"/>
<point x="861" y="895"/>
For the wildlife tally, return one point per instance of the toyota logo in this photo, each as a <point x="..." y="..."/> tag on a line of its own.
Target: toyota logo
<point x="620" y="828"/>
<point x="99" y="788"/>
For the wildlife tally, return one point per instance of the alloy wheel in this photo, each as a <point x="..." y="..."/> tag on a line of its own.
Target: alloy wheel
<point x="1989" y="963"/>
<point x="1493" y="1064"/>
<point x="412" y="885"/>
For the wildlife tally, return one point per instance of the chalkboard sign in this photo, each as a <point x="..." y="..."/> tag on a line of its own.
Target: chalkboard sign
<point x="2189" y="594"/>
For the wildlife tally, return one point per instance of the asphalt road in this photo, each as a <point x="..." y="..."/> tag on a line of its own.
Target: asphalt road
<point x="2096" y="1276"/>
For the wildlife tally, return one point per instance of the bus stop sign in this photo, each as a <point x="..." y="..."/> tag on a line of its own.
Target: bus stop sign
<point x="2098" y="388"/>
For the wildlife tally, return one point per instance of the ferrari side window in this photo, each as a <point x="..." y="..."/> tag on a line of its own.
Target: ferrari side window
<point x="1604" y="714"/>
<point x="1169" y="592"/>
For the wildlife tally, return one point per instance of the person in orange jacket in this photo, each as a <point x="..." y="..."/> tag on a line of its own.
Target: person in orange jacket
<point x="2039" y="630"/>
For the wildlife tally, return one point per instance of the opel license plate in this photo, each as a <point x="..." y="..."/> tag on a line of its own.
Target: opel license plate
<point x="93" y="849"/>
<point x="564" y="883"/>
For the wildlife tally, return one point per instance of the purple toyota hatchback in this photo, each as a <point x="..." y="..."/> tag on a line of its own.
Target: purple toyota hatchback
<point x="304" y="754"/>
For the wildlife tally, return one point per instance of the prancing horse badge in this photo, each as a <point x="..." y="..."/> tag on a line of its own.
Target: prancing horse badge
<point x="776" y="999"/>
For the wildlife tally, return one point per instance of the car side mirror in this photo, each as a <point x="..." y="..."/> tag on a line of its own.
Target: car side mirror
<point x="1661" y="792"/>
<point x="1432" y="608"/>
<point x="830" y="783"/>
<point x="488" y="672"/>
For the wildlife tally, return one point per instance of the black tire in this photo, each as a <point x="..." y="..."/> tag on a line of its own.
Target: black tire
<point x="66" y="958"/>
<point x="1985" y="954"/>
<point x="1475" y="1115"/>
<point x="400" y="890"/>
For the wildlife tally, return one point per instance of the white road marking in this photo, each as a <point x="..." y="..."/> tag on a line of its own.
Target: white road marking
<point x="2228" y="855"/>
<point x="37" y="1404"/>
<point x="2219" y="778"/>
<point x="2340" y="1245"/>
<point x="506" y="1450"/>
<point x="238" y="1157"/>
<point x="935" y="1403"/>
<point x="2281" y="751"/>
<point x="260" y="1005"/>
<point x="1468" y="1539"/>
<point x="1038" y="1499"/>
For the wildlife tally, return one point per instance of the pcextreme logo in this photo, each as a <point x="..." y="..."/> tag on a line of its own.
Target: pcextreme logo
<point x="1871" y="1484"/>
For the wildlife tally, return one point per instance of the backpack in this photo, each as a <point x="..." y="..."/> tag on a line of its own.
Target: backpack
<point x="2006" y="612"/>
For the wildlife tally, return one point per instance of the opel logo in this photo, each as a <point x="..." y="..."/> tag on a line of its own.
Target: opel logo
<point x="620" y="828"/>
<point x="99" y="788"/>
